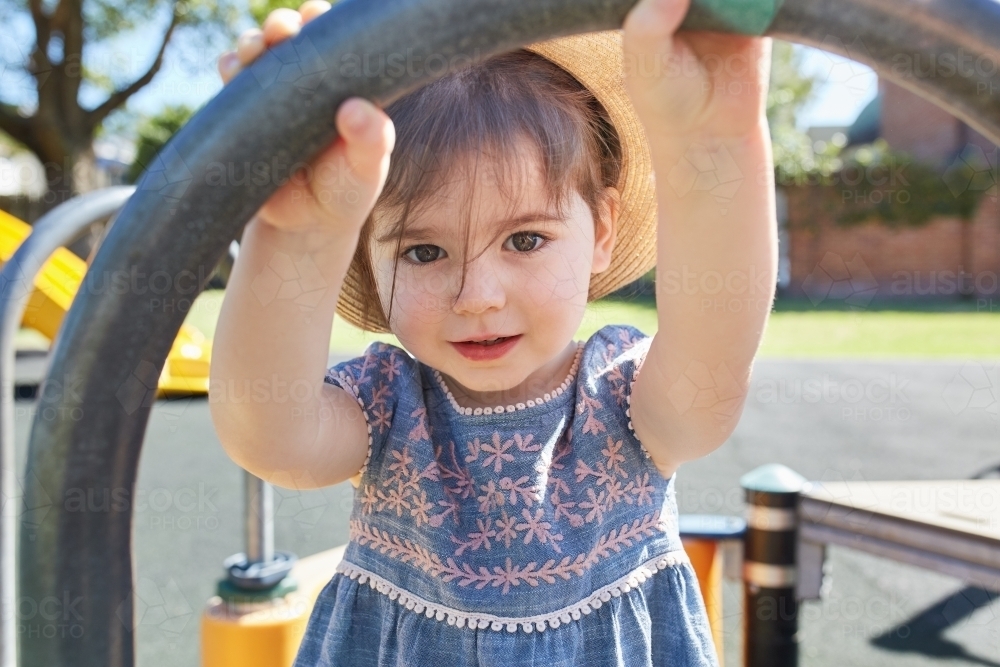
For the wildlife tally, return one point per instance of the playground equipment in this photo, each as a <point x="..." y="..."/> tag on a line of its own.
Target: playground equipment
<point x="948" y="526"/>
<point x="179" y="220"/>
<point x="40" y="279"/>
<point x="186" y="370"/>
<point x="714" y="545"/>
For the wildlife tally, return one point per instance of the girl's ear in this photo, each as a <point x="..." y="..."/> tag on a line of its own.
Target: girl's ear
<point x="606" y="229"/>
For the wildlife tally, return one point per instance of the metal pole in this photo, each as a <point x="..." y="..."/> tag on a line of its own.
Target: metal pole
<point x="770" y="608"/>
<point x="57" y="228"/>
<point x="258" y="511"/>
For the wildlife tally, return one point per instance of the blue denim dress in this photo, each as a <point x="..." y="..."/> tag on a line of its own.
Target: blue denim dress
<point x="530" y="534"/>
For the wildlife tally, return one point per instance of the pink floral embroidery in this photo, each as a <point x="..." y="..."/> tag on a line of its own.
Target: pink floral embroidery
<point x="628" y="342"/>
<point x="369" y="498"/>
<point x="380" y="395"/>
<point x="394" y="500"/>
<point x="391" y="367"/>
<point x="420" y="431"/>
<point x="382" y="418"/>
<point x="420" y="508"/>
<point x="591" y="405"/>
<point x="505" y="525"/>
<point x="618" y="392"/>
<point x="474" y="448"/>
<point x="523" y="443"/>
<point x="451" y="507"/>
<point x="532" y="573"/>
<point x="563" y="509"/>
<point x="613" y="452"/>
<point x="595" y="504"/>
<point x="617" y="381"/>
<point x="497" y="452"/>
<point x="368" y="361"/>
<point x="463" y="484"/>
<point x="402" y="463"/>
<point x="536" y="526"/>
<point x="491" y="498"/>
<point x="615" y="378"/>
<point x="431" y="471"/>
<point x="642" y="489"/>
<point x="480" y="538"/>
<point x="528" y="494"/>
<point x="401" y="491"/>
<point x="616" y="494"/>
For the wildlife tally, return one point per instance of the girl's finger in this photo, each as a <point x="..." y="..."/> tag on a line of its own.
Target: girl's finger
<point x="229" y="66"/>
<point x="310" y="9"/>
<point x="281" y="24"/>
<point x="250" y="45"/>
<point x="367" y="129"/>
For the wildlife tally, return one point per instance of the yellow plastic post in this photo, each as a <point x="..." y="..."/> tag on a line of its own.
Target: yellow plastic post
<point x="267" y="635"/>
<point x="706" y="557"/>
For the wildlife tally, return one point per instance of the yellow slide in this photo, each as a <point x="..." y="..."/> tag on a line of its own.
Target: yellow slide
<point x="186" y="369"/>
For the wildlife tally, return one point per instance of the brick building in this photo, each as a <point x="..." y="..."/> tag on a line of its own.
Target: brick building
<point x="826" y="262"/>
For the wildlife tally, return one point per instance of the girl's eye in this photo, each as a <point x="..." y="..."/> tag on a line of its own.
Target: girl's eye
<point x="424" y="254"/>
<point x="525" y="241"/>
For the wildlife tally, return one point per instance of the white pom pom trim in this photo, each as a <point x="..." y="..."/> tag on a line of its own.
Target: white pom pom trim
<point x="346" y="382"/>
<point x="530" y="403"/>
<point x="628" y="408"/>
<point x="553" y="620"/>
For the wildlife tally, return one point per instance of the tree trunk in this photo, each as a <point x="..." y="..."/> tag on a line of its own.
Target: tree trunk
<point x="74" y="173"/>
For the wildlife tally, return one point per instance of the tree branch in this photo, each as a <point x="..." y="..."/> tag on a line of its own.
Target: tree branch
<point x="68" y="19"/>
<point x="63" y="11"/>
<point x="119" y="97"/>
<point x="42" y="29"/>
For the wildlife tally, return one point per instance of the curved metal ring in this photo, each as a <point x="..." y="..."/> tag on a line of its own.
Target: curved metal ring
<point x="188" y="207"/>
<point x="54" y="229"/>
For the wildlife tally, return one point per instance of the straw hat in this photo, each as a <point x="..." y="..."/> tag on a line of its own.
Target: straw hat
<point x="596" y="60"/>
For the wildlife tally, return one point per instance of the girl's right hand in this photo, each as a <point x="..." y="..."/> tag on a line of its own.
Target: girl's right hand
<point x="340" y="186"/>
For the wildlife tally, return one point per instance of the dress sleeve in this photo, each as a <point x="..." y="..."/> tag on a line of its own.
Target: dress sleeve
<point x="620" y="352"/>
<point x="375" y="380"/>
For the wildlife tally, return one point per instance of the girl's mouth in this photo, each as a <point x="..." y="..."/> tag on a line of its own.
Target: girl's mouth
<point x="487" y="350"/>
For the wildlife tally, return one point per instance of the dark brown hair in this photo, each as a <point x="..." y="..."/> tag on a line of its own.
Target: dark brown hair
<point x="443" y="128"/>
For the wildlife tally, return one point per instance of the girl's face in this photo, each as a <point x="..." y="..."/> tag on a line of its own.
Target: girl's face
<point x="528" y="276"/>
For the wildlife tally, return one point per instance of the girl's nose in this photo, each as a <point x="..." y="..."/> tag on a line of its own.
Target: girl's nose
<point x="482" y="291"/>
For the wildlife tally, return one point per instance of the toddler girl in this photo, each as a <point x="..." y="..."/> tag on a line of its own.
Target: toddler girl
<point x="514" y="487"/>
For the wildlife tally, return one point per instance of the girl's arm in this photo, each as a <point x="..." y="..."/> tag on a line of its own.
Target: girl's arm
<point x="274" y="414"/>
<point x="272" y="411"/>
<point x="702" y="97"/>
<point x="715" y="282"/>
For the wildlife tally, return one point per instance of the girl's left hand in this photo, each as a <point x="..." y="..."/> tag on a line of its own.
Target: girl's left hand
<point x="692" y="82"/>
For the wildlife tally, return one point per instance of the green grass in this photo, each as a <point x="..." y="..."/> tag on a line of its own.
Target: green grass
<point x="885" y="334"/>
<point x="797" y="329"/>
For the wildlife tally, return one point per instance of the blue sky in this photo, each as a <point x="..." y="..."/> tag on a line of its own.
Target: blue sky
<point x="844" y="87"/>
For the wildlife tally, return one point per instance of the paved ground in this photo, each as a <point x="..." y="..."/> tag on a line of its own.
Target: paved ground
<point x="896" y="420"/>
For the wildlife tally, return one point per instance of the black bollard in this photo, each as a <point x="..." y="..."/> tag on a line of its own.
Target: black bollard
<point x="769" y="571"/>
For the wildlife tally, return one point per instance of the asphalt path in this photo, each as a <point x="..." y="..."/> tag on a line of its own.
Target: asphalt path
<point x="828" y="420"/>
